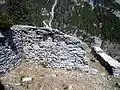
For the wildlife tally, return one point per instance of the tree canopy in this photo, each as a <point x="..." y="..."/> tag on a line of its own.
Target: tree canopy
<point x="5" y="20"/>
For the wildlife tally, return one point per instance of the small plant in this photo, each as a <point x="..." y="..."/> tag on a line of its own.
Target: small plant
<point x="5" y="21"/>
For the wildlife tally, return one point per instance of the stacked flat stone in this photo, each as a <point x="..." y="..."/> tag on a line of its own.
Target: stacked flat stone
<point x="11" y="49"/>
<point x="41" y="45"/>
<point x="57" y="51"/>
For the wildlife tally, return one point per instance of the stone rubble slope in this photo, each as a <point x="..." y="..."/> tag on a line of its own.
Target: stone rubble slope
<point x="41" y="45"/>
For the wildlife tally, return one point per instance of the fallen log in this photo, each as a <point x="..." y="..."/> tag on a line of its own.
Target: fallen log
<point x="110" y="64"/>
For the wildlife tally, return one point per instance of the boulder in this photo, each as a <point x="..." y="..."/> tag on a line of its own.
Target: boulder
<point x="110" y="64"/>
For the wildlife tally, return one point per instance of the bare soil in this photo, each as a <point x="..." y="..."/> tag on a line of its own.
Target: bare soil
<point x="51" y="79"/>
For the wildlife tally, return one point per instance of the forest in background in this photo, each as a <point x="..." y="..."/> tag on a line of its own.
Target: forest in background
<point x="69" y="17"/>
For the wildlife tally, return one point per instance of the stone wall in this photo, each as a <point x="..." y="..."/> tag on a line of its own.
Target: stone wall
<point x="50" y="48"/>
<point x="11" y="48"/>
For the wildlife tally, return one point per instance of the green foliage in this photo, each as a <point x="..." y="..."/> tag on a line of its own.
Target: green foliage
<point x="28" y="11"/>
<point x="85" y="19"/>
<point x="68" y="16"/>
<point x="82" y="17"/>
<point x="110" y="23"/>
<point x="112" y="4"/>
<point x="19" y="12"/>
<point x="5" y="21"/>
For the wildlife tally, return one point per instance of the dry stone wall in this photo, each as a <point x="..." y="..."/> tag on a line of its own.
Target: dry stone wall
<point x="41" y="45"/>
<point x="11" y="49"/>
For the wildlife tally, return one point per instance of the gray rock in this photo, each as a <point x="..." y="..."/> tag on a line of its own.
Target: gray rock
<point x="27" y="79"/>
<point x="94" y="41"/>
<point x="51" y="48"/>
<point x="1" y="35"/>
<point x="36" y="46"/>
<point x="2" y="1"/>
<point x="111" y="65"/>
<point x="93" y="71"/>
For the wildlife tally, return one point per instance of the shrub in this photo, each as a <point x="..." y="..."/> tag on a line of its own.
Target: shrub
<point x="5" y="21"/>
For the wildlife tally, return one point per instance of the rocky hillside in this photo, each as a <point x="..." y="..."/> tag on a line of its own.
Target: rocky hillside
<point x="96" y="17"/>
<point x="79" y="17"/>
<point x="52" y="33"/>
<point x="48" y="47"/>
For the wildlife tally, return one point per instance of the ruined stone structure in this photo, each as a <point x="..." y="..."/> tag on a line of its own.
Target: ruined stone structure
<point x="41" y="45"/>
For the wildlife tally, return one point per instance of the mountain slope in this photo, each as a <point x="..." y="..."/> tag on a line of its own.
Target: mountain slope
<point x="70" y="15"/>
